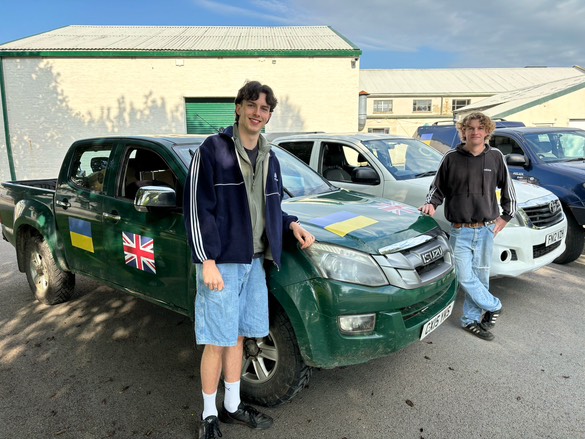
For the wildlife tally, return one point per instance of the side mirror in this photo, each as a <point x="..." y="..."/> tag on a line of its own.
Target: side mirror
<point x="149" y="197"/>
<point x="516" y="160"/>
<point x="365" y="175"/>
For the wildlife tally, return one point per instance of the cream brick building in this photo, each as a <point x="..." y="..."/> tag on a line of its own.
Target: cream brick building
<point x="399" y="101"/>
<point x="85" y="81"/>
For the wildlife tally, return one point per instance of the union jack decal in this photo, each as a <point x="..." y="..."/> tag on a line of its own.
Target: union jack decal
<point x="139" y="252"/>
<point x="396" y="209"/>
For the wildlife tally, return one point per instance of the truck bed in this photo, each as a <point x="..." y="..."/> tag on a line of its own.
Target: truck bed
<point x="36" y="194"/>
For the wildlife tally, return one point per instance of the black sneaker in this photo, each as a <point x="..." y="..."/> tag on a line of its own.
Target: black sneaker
<point x="490" y="317"/>
<point x="246" y="415"/>
<point x="209" y="428"/>
<point x="479" y="330"/>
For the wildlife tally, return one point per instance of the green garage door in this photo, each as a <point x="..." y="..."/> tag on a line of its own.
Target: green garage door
<point x="208" y="116"/>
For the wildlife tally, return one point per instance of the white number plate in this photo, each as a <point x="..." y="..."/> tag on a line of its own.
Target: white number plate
<point x="551" y="238"/>
<point x="436" y="321"/>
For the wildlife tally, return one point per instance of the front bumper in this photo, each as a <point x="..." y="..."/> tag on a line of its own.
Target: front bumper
<point x="519" y="250"/>
<point x="400" y="317"/>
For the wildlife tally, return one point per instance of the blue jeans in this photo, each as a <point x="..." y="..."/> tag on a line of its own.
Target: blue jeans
<point x="473" y="249"/>
<point x="239" y="310"/>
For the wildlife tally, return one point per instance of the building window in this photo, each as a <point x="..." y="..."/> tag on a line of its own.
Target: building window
<point x="421" y="105"/>
<point x="383" y="106"/>
<point x="379" y="130"/>
<point x="459" y="103"/>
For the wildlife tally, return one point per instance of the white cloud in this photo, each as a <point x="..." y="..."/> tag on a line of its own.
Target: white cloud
<point x="500" y="33"/>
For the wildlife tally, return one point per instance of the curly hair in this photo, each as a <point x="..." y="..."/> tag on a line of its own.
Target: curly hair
<point x="251" y="92"/>
<point x="484" y="120"/>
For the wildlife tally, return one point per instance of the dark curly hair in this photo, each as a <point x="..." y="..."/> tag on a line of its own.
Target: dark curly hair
<point x="251" y="92"/>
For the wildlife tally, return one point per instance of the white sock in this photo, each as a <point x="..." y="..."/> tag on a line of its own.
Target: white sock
<point x="209" y="407"/>
<point x="231" y="399"/>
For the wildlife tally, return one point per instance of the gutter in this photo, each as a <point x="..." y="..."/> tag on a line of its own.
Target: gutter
<point x="6" y="124"/>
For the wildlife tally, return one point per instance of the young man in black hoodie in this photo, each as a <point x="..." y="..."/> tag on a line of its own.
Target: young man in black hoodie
<point x="467" y="181"/>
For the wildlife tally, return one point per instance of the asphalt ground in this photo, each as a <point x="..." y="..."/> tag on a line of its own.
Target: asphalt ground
<point x="107" y="365"/>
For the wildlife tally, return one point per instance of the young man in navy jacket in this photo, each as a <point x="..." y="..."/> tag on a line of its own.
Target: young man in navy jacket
<point x="234" y="221"/>
<point x="467" y="180"/>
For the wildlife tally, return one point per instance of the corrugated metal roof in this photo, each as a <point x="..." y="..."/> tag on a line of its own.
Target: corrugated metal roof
<point x="460" y="82"/>
<point x="183" y="38"/>
<point x="503" y="104"/>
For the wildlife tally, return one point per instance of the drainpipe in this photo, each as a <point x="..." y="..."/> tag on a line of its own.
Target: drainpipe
<point x="6" y="125"/>
<point x="362" y="109"/>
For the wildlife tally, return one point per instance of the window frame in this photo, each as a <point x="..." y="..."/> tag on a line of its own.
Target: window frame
<point x="416" y="105"/>
<point x="389" y="103"/>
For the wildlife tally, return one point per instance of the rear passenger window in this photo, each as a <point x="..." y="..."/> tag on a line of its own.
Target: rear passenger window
<point x="300" y="149"/>
<point x="89" y="167"/>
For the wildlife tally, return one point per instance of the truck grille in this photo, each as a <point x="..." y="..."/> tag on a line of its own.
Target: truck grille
<point x="417" y="262"/>
<point x="545" y="215"/>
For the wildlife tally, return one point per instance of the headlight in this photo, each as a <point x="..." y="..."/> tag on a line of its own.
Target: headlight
<point x="520" y="219"/>
<point x="346" y="265"/>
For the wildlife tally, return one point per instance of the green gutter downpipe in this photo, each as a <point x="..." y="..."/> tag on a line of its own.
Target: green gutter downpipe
<point x="6" y="125"/>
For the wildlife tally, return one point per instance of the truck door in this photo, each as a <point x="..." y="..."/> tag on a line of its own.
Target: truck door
<point x="78" y="206"/>
<point x="148" y="252"/>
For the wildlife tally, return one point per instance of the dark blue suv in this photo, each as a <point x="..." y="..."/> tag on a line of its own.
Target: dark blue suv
<point x="443" y="135"/>
<point x="553" y="158"/>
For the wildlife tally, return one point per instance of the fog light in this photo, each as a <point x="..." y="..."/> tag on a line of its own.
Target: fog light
<point x="354" y="325"/>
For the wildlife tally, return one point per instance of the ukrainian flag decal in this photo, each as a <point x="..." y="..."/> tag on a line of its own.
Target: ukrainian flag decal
<point x="426" y="138"/>
<point x="80" y="232"/>
<point x="342" y="223"/>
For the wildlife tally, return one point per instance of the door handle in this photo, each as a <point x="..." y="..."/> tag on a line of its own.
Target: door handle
<point x="63" y="203"/>
<point x="111" y="217"/>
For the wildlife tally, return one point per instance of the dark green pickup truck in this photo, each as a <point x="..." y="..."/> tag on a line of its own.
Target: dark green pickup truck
<point x="380" y="277"/>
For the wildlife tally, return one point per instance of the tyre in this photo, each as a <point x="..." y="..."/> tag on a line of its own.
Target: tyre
<point x="273" y="370"/>
<point x="49" y="284"/>
<point x="574" y="241"/>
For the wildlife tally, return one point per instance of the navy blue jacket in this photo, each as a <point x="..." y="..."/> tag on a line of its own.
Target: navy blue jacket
<point x="217" y="214"/>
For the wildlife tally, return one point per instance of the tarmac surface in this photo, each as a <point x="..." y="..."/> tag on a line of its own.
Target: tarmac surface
<point x="107" y="365"/>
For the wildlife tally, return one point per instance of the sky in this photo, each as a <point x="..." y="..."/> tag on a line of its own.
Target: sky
<point x="392" y="34"/>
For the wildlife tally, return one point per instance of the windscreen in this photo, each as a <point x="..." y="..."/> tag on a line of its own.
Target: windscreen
<point x="297" y="178"/>
<point x="405" y="158"/>
<point x="559" y="146"/>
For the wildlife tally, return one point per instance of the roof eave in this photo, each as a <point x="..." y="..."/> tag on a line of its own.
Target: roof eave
<point x="178" y="53"/>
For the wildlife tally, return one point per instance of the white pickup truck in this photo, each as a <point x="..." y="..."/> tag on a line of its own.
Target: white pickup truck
<point x="402" y="168"/>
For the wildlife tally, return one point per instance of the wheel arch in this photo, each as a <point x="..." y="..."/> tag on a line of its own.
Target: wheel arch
<point x="37" y="220"/>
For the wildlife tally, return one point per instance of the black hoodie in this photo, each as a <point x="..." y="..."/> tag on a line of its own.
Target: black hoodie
<point x="468" y="185"/>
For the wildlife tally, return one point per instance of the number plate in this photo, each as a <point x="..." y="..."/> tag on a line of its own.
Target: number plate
<point x="436" y="321"/>
<point x="551" y="238"/>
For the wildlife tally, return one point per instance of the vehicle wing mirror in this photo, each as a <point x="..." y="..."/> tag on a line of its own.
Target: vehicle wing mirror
<point x="516" y="160"/>
<point x="148" y="197"/>
<point x="365" y="175"/>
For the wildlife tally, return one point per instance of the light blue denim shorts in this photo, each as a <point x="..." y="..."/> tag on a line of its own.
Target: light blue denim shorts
<point x="240" y="309"/>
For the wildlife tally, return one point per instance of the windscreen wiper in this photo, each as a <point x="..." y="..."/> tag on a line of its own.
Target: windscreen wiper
<point x="426" y="174"/>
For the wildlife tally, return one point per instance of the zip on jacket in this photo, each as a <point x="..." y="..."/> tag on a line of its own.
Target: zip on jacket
<point x="216" y="209"/>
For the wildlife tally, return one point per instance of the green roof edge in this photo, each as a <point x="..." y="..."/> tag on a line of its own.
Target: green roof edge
<point x="176" y="53"/>
<point x="541" y="100"/>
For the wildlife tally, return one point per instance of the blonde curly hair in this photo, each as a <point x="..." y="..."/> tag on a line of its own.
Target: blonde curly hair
<point x="484" y="120"/>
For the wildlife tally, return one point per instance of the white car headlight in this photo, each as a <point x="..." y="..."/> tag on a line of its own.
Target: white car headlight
<point x="346" y="265"/>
